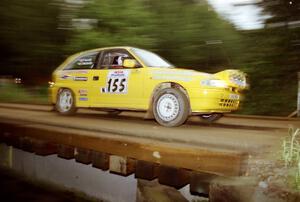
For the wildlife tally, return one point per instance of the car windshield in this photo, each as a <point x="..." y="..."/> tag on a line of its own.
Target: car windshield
<point x="151" y="59"/>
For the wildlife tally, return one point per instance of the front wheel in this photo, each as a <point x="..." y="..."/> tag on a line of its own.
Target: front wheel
<point x="171" y="107"/>
<point x="65" y="103"/>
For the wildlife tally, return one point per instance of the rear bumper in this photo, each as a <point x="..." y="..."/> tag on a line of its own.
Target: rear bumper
<point x="52" y="92"/>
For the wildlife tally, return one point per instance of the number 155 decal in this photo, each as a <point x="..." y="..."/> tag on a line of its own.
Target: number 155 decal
<point x="117" y="82"/>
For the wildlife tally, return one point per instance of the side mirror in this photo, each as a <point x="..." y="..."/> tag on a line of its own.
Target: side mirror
<point x="130" y="63"/>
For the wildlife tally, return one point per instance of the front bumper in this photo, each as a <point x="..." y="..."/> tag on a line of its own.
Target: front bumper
<point x="215" y="101"/>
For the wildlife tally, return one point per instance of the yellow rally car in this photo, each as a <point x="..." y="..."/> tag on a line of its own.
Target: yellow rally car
<point x="126" y="78"/>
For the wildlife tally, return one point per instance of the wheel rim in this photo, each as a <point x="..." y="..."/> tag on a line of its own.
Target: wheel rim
<point x="65" y="101"/>
<point x="167" y="107"/>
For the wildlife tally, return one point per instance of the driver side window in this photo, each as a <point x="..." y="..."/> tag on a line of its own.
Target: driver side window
<point x="113" y="59"/>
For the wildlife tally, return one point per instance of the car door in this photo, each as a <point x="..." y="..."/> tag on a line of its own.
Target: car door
<point x="115" y="86"/>
<point x="77" y="76"/>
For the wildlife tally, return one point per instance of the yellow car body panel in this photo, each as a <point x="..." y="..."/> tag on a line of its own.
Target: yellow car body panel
<point x="90" y="86"/>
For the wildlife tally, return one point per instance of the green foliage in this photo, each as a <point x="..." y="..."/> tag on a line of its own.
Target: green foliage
<point x="192" y="35"/>
<point x="30" y="37"/>
<point x="119" y="23"/>
<point x="291" y="153"/>
<point x="17" y="93"/>
<point x="181" y="31"/>
<point x="271" y="62"/>
<point x="281" y="10"/>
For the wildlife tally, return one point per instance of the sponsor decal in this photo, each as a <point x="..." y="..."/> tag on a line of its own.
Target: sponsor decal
<point x="116" y="82"/>
<point x="83" y="92"/>
<point x="234" y="96"/>
<point x="65" y="77"/>
<point x="85" y="61"/>
<point x="83" y="98"/>
<point x="76" y="71"/>
<point x="80" y="78"/>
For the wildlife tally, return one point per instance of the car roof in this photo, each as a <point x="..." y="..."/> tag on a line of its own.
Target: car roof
<point x="104" y="48"/>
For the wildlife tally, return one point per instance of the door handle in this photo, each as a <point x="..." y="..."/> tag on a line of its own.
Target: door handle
<point x="95" y="78"/>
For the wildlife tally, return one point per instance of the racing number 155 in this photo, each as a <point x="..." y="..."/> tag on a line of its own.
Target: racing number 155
<point x="116" y="85"/>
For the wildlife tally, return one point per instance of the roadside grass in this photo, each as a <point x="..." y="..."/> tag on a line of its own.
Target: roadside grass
<point x="291" y="155"/>
<point x="17" y="93"/>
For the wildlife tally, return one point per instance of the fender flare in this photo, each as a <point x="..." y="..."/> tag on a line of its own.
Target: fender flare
<point x="149" y="114"/>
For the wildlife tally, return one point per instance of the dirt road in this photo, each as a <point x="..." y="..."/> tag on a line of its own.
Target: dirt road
<point x="249" y="134"/>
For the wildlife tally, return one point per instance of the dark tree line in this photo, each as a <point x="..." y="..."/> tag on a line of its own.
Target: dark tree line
<point x="274" y="59"/>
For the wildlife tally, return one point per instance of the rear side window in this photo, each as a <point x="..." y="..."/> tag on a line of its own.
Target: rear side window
<point x="85" y="61"/>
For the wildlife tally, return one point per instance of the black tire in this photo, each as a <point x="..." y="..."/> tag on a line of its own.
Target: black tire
<point x="65" y="103"/>
<point x="171" y="107"/>
<point x="210" y="118"/>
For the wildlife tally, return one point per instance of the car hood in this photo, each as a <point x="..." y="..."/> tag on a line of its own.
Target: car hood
<point x="178" y="74"/>
<point x="234" y="78"/>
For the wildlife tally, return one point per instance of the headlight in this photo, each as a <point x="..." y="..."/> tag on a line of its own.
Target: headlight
<point x="238" y="79"/>
<point x="214" y="83"/>
<point x="51" y="84"/>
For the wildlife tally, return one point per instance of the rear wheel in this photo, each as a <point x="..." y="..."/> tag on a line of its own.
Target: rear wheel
<point x="171" y="107"/>
<point x="65" y="103"/>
